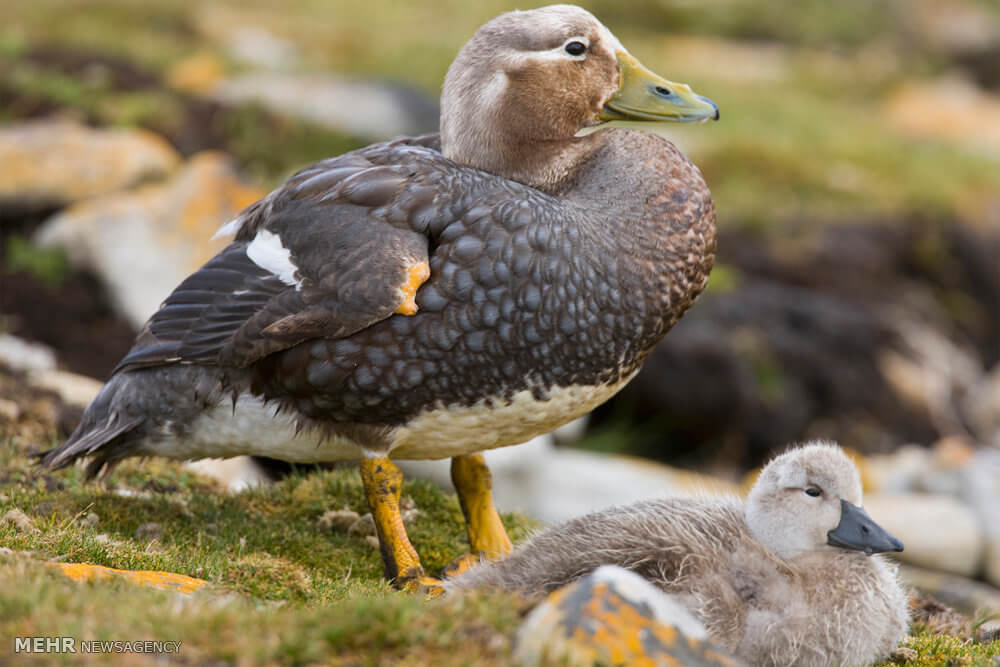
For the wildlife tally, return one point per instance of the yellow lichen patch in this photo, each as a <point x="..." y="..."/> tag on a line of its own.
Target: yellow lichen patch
<point x="952" y="110"/>
<point x="606" y="621"/>
<point x="57" y="162"/>
<point x="416" y="275"/>
<point x="167" y="581"/>
<point x="199" y="73"/>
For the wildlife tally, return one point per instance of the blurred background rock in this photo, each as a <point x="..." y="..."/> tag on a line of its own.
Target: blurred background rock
<point x="856" y="173"/>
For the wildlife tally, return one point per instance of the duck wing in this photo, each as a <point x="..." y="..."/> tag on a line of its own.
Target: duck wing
<point x="317" y="258"/>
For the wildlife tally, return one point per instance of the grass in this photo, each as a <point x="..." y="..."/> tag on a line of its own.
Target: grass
<point x="282" y="589"/>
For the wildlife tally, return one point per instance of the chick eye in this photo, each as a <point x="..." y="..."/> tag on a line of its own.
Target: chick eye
<point x="813" y="491"/>
<point x="576" y="48"/>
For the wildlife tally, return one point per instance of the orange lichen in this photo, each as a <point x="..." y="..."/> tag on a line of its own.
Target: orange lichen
<point x="167" y="581"/>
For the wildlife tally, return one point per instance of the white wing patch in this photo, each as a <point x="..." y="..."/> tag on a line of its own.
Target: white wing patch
<point x="231" y="228"/>
<point x="267" y="252"/>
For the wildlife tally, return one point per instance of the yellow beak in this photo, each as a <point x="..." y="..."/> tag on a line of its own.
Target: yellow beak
<point x="643" y="95"/>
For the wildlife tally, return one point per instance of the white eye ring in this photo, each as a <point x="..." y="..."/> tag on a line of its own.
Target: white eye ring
<point x="576" y="47"/>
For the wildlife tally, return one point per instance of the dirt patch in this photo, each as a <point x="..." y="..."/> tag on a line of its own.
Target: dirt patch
<point x="75" y="319"/>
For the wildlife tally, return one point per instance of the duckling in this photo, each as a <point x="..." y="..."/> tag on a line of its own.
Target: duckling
<point x="432" y="297"/>
<point x="790" y="577"/>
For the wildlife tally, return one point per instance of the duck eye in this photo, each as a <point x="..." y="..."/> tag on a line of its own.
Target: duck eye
<point x="813" y="491"/>
<point x="576" y="48"/>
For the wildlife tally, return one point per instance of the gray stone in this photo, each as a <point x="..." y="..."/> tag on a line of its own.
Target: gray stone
<point x="937" y="531"/>
<point x="366" y="109"/>
<point x="22" y="355"/>
<point x="149" y="531"/>
<point x="596" y="619"/>
<point x="73" y="389"/>
<point x="341" y="519"/>
<point x="20" y="520"/>
<point x="144" y="242"/>
<point x="961" y="593"/>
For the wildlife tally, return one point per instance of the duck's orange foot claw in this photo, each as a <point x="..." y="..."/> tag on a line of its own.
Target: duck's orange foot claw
<point x="421" y="584"/>
<point x="460" y="565"/>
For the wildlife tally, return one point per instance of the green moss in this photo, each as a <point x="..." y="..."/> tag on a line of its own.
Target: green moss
<point x="948" y="651"/>
<point x="264" y="545"/>
<point x="723" y="279"/>
<point x="369" y="628"/>
<point x="264" y="542"/>
<point x="271" y="147"/>
<point x="49" y="265"/>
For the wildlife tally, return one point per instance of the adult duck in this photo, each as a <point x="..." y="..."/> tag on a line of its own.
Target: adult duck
<point x="437" y="296"/>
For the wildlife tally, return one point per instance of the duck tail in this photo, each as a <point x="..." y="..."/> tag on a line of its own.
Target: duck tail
<point x="103" y="433"/>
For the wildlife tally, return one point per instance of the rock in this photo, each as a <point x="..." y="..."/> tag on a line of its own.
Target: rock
<point x="982" y="405"/>
<point x="167" y="581"/>
<point x="937" y="531"/>
<point x="367" y="109"/>
<point x="20" y="520"/>
<point x="982" y="491"/>
<point x="21" y="355"/>
<point x="47" y="164"/>
<point x="198" y="73"/>
<point x="613" y="616"/>
<point x="143" y="243"/>
<point x="45" y="509"/>
<point x="952" y="26"/>
<point x="988" y="631"/>
<point x="902" y="654"/>
<point x="961" y="593"/>
<point x="257" y="47"/>
<point x="9" y="410"/>
<point x="149" y="531"/>
<point x="236" y="473"/>
<point x="73" y="389"/>
<point x="364" y="526"/>
<point x="341" y="519"/>
<point x="90" y="520"/>
<point x="555" y="484"/>
<point x="937" y="618"/>
<point x="951" y="109"/>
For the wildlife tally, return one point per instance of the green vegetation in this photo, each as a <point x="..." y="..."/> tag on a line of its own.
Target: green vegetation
<point x="803" y="88"/>
<point x="282" y="588"/>
<point x="947" y="651"/>
<point x="50" y="266"/>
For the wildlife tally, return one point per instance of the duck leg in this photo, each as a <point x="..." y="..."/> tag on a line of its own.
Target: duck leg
<point x="383" y="482"/>
<point x="487" y="537"/>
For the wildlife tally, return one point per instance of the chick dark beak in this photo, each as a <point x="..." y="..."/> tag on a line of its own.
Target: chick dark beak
<point x="858" y="531"/>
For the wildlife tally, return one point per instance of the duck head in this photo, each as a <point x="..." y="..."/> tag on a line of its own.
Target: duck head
<point x="528" y="81"/>
<point x="808" y="500"/>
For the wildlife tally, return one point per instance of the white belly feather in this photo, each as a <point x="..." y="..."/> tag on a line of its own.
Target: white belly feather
<point x="255" y="429"/>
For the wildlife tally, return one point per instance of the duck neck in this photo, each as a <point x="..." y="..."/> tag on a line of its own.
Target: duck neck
<point x="547" y="165"/>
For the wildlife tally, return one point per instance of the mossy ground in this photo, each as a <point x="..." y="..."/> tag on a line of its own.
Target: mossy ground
<point x="282" y="589"/>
